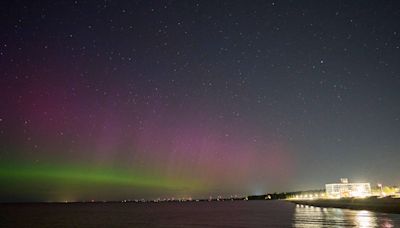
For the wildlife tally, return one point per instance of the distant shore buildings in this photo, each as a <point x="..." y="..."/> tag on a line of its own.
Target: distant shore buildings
<point x="346" y="189"/>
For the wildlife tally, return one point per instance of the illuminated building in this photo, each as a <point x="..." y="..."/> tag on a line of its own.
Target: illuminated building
<point x="346" y="189"/>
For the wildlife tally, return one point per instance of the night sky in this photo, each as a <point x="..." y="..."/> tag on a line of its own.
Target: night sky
<point x="111" y="100"/>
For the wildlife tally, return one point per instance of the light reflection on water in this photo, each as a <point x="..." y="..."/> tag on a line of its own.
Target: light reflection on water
<point x="365" y="219"/>
<point x="309" y="216"/>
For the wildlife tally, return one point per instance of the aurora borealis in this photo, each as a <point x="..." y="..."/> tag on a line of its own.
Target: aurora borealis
<point x="72" y="180"/>
<point x="116" y="100"/>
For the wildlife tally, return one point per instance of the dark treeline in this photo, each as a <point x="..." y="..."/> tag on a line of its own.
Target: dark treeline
<point x="284" y="195"/>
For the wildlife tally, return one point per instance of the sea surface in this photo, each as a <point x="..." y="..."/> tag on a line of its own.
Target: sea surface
<point x="189" y="214"/>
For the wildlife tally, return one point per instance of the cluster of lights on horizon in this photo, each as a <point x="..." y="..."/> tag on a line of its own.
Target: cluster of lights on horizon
<point x="348" y="190"/>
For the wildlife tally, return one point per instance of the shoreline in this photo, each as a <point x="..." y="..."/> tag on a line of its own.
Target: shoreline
<point x="385" y="205"/>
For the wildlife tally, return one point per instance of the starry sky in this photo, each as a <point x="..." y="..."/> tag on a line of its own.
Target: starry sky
<point x="111" y="100"/>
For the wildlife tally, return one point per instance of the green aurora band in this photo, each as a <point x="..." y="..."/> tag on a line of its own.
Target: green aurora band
<point x="20" y="177"/>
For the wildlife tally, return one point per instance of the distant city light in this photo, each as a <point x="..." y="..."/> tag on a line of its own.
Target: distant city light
<point x="346" y="189"/>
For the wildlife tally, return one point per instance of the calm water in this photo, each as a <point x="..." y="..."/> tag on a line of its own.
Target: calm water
<point x="194" y="214"/>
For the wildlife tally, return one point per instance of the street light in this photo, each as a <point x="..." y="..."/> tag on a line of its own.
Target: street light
<point x="380" y="186"/>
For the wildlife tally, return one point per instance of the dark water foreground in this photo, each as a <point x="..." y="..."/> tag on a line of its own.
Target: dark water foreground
<point x="189" y="214"/>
